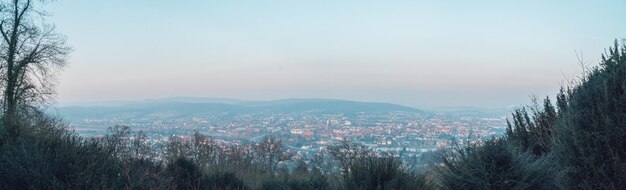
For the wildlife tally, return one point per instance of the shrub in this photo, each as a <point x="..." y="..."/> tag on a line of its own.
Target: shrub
<point x="590" y="145"/>
<point x="313" y="183"/>
<point x="46" y="156"/>
<point x="382" y="173"/>
<point x="223" y="181"/>
<point x="184" y="173"/>
<point x="493" y="164"/>
<point x="533" y="130"/>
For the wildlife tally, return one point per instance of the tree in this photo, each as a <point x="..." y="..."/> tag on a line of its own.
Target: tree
<point x="206" y="151"/>
<point x="590" y="140"/>
<point x="347" y="153"/>
<point x="533" y="130"/>
<point x="30" y="50"/>
<point x="177" y="147"/>
<point x="139" y="146"/>
<point x="270" y="152"/>
<point x="117" y="140"/>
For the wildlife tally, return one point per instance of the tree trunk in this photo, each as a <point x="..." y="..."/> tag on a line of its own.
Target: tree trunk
<point x="10" y="112"/>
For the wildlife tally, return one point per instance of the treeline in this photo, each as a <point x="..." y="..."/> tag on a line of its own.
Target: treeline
<point x="50" y="157"/>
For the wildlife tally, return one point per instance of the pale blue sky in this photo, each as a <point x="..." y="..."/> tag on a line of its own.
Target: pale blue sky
<point x="417" y="53"/>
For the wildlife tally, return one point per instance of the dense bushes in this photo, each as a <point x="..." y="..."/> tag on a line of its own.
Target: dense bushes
<point x="493" y="164"/>
<point x="578" y="144"/>
<point x="185" y="174"/>
<point x="46" y="156"/>
<point x="223" y="181"/>
<point x="382" y="173"/>
<point x="591" y="136"/>
<point x="49" y="156"/>
<point x="532" y="131"/>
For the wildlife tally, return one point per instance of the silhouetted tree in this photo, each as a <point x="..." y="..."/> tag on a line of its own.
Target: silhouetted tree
<point x="533" y="130"/>
<point x="347" y="153"/>
<point x="590" y="144"/>
<point x="177" y="147"/>
<point x="117" y="140"/>
<point x="206" y="151"/>
<point x="139" y="147"/>
<point x="30" y="50"/>
<point x="270" y="151"/>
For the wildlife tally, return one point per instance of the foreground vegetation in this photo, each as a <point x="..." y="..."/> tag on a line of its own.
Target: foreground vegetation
<point x="48" y="156"/>
<point x="577" y="143"/>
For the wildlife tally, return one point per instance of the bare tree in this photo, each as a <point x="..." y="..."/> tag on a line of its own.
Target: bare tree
<point x="177" y="147"/>
<point x="347" y="153"/>
<point x="206" y="150"/>
<point x="30" y="53"/>
<point x="270" y="152"/>
<point x="140" y="147"/>
<point x="117" y="140"/>
<point x="237" y="157"/>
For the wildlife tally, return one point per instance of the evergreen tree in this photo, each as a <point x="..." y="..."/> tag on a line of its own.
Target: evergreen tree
<point x="590" y="144"/>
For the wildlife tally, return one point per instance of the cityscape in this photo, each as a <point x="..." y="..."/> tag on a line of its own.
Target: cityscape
<point x="413" y="134"/>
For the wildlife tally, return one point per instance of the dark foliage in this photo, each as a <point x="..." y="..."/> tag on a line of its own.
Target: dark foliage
<point x="46" y="156"/>
<point x="141" y="173"/>
<point x="493" y="164"/>
<point x="533" y="130"/>
<point x="591" y="136"/>
<point x="583" y="137"/>
<point x="295" y="184"/>
<point x="375" y="173"/>
<point x="185" y="174"/>
<point x="223" y="181"/>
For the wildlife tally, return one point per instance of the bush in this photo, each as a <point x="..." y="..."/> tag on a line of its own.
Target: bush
<point x="382" y="173"/>
<point x="142" y="173"/>
<point x="184" y="173"/>
<point x="493" y="164"/>
<point x="590" y="145"/>
<point x="223" y="181"/>
<point x="46" y="156"/>
<point x="296" y="184"/>
<point x="532" y="131"/>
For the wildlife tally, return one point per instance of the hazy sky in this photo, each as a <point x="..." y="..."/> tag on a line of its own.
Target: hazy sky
<point x="417" y="53"/>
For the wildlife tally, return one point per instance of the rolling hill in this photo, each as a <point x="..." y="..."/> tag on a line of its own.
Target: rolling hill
<point x="187" y="107"/>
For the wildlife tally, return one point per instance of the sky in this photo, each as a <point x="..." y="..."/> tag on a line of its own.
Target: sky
<point x="416" y="53"/>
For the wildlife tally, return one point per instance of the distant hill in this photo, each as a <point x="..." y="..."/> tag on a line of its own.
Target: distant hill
<point x="471" y="111"/>
<point x="188" y="107"/>
<point x="199" y="100"/>
<point x="171" y="99"/>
